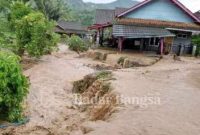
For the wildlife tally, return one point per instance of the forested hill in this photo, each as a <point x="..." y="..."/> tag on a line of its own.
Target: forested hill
<point x="80" y="5"/>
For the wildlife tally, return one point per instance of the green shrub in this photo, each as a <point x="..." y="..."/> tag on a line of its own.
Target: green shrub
<point x="77" y="44"/>
<point x="196" y="41"/>
<point x="64" y="39"/>
<point x="104" y="74"/>
<point x="35" y="34"/>
<point x="13" y="87"/>
<point x="7" y="41"/>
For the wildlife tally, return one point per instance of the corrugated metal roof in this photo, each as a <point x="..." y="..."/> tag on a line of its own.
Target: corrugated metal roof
<point x="71" y="26"/>
<point x="119" y="10"/>
<point x="68" y="31"/>
<point x="104" y="16"/>
<point x="130" y="31"/>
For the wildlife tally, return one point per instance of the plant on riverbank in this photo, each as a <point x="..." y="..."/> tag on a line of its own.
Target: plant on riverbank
<point x="77" y="44"/>
<point x="13" y="87"/>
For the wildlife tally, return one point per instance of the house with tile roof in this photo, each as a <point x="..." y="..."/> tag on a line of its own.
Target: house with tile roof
<point x="69" y="28"/>
<point x="163" y="26"/>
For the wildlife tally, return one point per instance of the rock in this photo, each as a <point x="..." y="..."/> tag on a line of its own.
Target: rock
<point x="97" y="55"/>
<point x="86" y="130"/>
<point x="177" y="58"/>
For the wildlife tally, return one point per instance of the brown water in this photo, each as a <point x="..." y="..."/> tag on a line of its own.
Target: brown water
<point x="175" y="83"/>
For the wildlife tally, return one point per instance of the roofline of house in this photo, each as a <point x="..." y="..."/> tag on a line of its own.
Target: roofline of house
<point x="180" y="5"/>
<point x="60" y="26"/>
<point x="183" y="30"/>
<point x="157" y="23"/>
<point x="99" y="26"/>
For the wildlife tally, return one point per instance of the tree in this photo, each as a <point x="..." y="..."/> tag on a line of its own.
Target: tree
<point x="8" y="21"/>
<point x="77" y="44"/>
<point x="53" y="9"/>
<point x="13" y="87"/>
<point x="86" y="17"/>
<point x="17" y="11"/>
<point x="5" y="5"/>
<point x="35" y="34"/>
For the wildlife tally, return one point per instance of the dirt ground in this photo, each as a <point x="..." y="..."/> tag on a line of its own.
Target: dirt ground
<point x="113" y="56"/>
<point x="175" y="83"/>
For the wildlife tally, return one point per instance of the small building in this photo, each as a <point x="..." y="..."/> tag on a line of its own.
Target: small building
<point x="70" y="28"/>
<point x="161" y="26"/>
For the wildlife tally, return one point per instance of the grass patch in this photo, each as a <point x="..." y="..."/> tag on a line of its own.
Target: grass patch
<point x="97" y="88"/>
<point x="121" y="60"/>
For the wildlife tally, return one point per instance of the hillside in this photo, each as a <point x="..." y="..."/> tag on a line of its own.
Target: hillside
<point x="80" y="5"/>
<point x="85" y="12"/>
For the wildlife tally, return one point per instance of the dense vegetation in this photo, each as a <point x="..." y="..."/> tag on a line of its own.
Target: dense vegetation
<point x="79" y="4"/>
<point x="196" y="41"/>
<point x="13" y="87"/>
<point x="53" y="9"/>
<point x="85" y="12"/>
<point x="23" y="28"/>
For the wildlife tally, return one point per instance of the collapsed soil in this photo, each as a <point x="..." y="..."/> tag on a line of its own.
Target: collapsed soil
<point x="50" y="97"/>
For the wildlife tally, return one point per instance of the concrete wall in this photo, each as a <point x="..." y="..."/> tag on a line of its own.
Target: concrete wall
<point x="186" y="44"/>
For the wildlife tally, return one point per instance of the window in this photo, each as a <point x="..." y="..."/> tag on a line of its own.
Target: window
<point x="137" y="43"/>
<point x="183" y="36"/>
<point x="154" y="41"/>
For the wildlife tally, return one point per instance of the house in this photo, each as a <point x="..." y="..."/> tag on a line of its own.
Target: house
<point x="161" y="26"/>
<point x="70" y="28"/>
<point x="198" y="14"/>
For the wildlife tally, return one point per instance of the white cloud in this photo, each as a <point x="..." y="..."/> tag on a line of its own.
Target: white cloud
<point x="193" y="5"/>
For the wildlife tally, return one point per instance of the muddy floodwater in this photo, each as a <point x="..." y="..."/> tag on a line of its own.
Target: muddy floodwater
<point x="176" y="84"/>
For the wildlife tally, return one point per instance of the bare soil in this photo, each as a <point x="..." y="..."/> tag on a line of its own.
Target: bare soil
<point x="111" y="57"/>
<point x="50" y="108"/>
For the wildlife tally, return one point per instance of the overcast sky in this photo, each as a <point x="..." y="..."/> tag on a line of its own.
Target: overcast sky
<point x="193" y="5"/>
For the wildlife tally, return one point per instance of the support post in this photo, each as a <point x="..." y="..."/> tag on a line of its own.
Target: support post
<point x="141" y="44"/>
<point x="98" y="35"/>
<point x="101" y="37"/>
<point x="171" y="48"/>
<point x="161" y="46"/>
<point x="194" y="49"/>
<point x="120" y="43"/>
